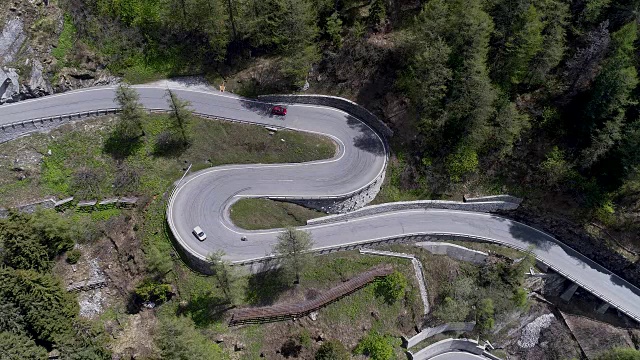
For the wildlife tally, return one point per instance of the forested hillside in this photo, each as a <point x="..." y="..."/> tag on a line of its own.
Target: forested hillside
<point x="531" y="97"/>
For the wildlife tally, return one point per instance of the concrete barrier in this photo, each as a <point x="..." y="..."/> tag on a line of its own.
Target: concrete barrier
<point x="417" y="267"/>
<point x="429" y="332"/>
<point x="448" y="345"/>
<point x="489" y="206"/>
<point x="455" y="251"/>
<point x="343" y="104"/>
<point x="505" y="198"/>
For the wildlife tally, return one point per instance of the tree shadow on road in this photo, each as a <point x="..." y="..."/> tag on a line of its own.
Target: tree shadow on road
<point x="260" y="108"/>
<point x="367" y="140"/>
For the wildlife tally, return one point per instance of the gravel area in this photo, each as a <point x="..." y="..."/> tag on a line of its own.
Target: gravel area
<point x="531" y="332"/>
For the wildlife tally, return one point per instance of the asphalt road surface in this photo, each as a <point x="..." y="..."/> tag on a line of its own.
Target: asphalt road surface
<point x="204" y="198"/>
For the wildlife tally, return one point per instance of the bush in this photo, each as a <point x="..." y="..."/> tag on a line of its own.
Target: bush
<point x="620" y="354"/>
<point x="332" y="350"/>
<point x="451" y="310"/>
<point x="462" y="162"/>
<point x="391" y="287"/>
<point x="485" y="320"/>
<point x="305" y="338"/>
<point x="73" y="256"/>
<point x="150" y="290"/>
<point x="375" y="346"/>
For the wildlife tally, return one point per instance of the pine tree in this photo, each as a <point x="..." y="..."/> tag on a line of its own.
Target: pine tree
<point x="293" y="247"/>
<point x="612" y="95"/>
<point x="131" y="112"/>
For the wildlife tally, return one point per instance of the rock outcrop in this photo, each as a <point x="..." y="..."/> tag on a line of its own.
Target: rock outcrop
<point x="9" y="85"/>
<point x="11" y="40"/>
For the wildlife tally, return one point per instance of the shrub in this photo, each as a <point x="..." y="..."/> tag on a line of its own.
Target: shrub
<point x="451" y="310"/>
<point x="620" y="354"/>
<point x="305" y="338"/>
<point x="150" y="290"/>
<point x="391" y="287"/>
<point x="485" y="320"/>
<point x="332" y="350"/>
<point x="73" y="256"/>
<point x="462" y="162"/>
<point x="375" y="346"/>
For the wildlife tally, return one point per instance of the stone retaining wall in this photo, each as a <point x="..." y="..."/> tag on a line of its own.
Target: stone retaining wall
<point x="490" y="206"/>
<point x="454" y="251"/>
<point x="343" y="204"/>
<point x="345" y="105"/>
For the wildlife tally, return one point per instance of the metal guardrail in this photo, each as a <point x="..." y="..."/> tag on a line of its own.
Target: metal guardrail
<point x="60" y="117"/>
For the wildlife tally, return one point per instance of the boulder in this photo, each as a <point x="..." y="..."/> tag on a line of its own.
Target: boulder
<point x="38" y="85"/>
<point x="9" y="85"/>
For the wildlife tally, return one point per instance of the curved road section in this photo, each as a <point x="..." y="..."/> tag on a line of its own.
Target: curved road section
<point x="204" y="198"/>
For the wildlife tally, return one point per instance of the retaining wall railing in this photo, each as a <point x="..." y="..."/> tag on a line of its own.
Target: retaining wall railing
<point x="429" y="332"/>
<point x="488" y="206"/>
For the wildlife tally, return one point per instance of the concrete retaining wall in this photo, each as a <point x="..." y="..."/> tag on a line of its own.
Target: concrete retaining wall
<point x="429" y="332"/>
<point x="505" y="198"/>
<point x="448" y="345"/>
<point x="455" y="251"/>
<point x="335" y="102"/>
<point x="417" y="268"/>
<point x="489" y="206"/>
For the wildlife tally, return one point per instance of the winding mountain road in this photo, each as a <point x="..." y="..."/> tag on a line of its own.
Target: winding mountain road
<point x="204" y="198"/>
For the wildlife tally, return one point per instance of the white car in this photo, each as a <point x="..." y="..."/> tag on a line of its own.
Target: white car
<point x="199" y="233"/>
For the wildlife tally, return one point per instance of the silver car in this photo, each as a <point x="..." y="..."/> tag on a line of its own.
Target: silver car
<point x="199" y="233"/>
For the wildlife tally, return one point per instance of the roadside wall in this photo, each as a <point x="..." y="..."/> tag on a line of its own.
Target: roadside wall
<point x="429" y="332"/>
<point x="15" y="130"/>
<point x="448" y="345"/>
<point x="506" y="198"/>
<point x="490" y="206"/>
<point x="454" y="251"/>
<point x="343" y="204"/>
<point x="334" y="102"/>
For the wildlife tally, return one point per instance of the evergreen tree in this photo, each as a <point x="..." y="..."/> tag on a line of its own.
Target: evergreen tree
<point x="612" y="95"/>
<point x="19" y="346"/>
<point x="293" y="247"/>
<point x="131" y="112"/>
<point x="334" y="29"/>
<point x="525" y="43"/>
<point x="49" y="310"/>
<point x="555" y="14"/>
<point x="224" y="274"/>
<point x="509" y="124"/>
